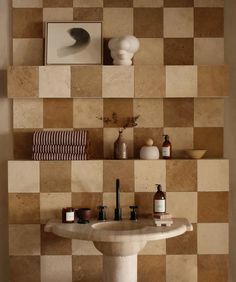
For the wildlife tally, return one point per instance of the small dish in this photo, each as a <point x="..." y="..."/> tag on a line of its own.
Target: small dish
<point x="195" y="154"/>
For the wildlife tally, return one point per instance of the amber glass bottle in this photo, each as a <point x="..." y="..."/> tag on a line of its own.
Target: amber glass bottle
<point x="159" y="201"/>
<point x="166" y="148"/>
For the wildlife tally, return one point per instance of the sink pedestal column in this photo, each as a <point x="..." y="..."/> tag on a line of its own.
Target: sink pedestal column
<point x="119" y="268"/>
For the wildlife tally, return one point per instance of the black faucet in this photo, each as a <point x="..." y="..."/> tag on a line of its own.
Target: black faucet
<point x="117" y="212"/>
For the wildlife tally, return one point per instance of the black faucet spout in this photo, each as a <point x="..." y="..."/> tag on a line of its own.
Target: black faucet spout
<point x="117" y="212"/>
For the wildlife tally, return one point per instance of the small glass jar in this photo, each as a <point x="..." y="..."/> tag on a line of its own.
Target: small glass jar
<point x="68" y="215"/>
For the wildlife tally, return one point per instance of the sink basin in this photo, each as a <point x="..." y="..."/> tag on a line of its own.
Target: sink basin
<point x="118" y="225"/>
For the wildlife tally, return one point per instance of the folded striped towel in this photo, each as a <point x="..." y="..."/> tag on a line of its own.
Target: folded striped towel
<point x="58" y="157"/>
<point x="60" y="149"/>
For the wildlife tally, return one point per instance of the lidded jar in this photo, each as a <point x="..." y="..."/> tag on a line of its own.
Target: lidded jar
<point x="149" y="152"/>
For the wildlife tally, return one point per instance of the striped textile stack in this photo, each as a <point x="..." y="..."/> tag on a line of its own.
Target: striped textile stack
<point x="60" y="145"/>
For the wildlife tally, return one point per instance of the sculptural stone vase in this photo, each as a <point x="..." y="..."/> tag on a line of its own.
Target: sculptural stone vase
<point x="120" y="148"/>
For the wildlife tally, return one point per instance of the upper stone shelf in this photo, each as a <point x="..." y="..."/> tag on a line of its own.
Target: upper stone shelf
<point x="146" y="81"/>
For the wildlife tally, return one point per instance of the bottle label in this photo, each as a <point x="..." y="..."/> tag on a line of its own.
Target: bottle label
<point x="160" y="206"/>
<point x="70" y="216"/>
<point x="166" y="151"/>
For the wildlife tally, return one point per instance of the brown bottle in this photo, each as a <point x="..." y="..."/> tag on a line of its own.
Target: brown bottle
<point x="159" y="201"/>
<point x="166" y="148"/>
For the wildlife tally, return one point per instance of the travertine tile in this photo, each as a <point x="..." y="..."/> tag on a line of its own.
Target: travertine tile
<point x="54" y="81"/>
<point x="88" y="3"/>
<point x="23" y="176"/>
<point x="217" y="206"/>
<point x="148" y="22"/>
<point x="27" y="22"/>
<point x="118" y="82"/>
<point x="23" y="208"/>
<point x="27" y="113"/>
<point x="208" y="51"/>
<point x="88" y="14"/>
<point x="208" y="22"/>
<point x="57" y="3"/>
<point x="24" y="268"/>
<point x="55" y="176"/>
<point x="150" y="112"/>
<point x="56" y="268"/>
<point x="117" y="22"/>
<point x="181" y="175"/>
<point x="182" y="204"/>
<point x="213" y="238"/>
<point x="178" y="3"/>
<point x="151" y="267"/>
<point x="118" y="3"/>
<point x="81" y="269"/>
<point x="23" y="82"/>
<point x="181" y="81"/>
<point x="150" y="52"/>
<point x="51" y="205"/>
<point x="23" y="142"/>
<point x="178" y="22"/>
<point x="148" y="3"/>
<point x="87" y="113"/>
<point x="122" y="169"/>
<point x="146" y="83"/>
<point x="86" y="81"/>
<point x="181" y="268"/>
<point x="96" y="146"/>
<point x="82" y="181"/>
<point x="27" y="3"/>
<point x="57" y="14"/>
<point x="208" y="112"/>
<point x="144" y="201"/>
<point x="154" y="248"/>
<point x="213" y="175"/>
<point x="148" y="173"/>
<point x="24" y="239"/>
<point x="110" y="136"/>
<point x="84" y="248"/>
<point x="27" y="51"/>
<point x="209" y="3"/>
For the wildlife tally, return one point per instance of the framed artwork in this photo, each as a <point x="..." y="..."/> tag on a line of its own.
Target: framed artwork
<point x="73" y="43"/>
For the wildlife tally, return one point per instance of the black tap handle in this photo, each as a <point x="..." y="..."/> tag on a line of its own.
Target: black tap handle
<point x="102" y="213"/>
<point x="133" y="213"/>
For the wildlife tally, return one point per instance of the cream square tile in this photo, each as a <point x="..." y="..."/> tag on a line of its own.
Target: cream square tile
<point x="56" y="268"/>
<point x="54" y="81"/>
<point x="118" y="82"/>
<point x="84" y="248"/>
<point x="181" y="81"/>
<point x="87" y="176"/>
<point x="27" y="3"/>
<point x="154" y="248"/>
<point x="57" y="14"/>
<point x="150" y="52"/>
<point x="148" y="3"/>
<point x="27" y="51"/>
<point x="28" y="113"/>
<point x="213" y="238"/>
<point x="181" y="268"/>
<point x="213" y="175"/>
<point x="86" y="113"/>
<point x="88" y="3"/>
<point x="208" y="112"/>
<point x="208" y="51"/>
<point x="150" y="112"/>
<point x="117" y="22"/>
<point x="23" y="177"/>
<point x="178" y="22"/>
<point x="24" y="239"/>
<point x="148" y="173"/>
<point x="209" y="3"/>
<point x="182" y="204"/>
<point x="110" y="136"/>
<point x="51" y="205"/>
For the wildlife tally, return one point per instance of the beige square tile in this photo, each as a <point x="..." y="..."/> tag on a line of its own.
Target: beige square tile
<point x="182" y="204"/>
<point x="82" y="181"/>
<point x="27" y="51"/>
<point x="181" y="268"/>
<point x="181" y="81"/>
<point x="84" y="248"/>
<point x="150" y="52"/>
<point x="208" y="112"/>
<point x="88" y="3"/>
<point x="154" y="248"/>
<point x="148" y="173"/>
<point x="213" y="175"/>
<point x="57" y="14"/>
<point x="117" y="22"/>
<point x="126" y="200"/>
<point x="213" y="238"/>
<point x="23" y="176"/>
<point x="110" y="136"/>
<point x="148" y="3"/>
<point x="209" y="3"/>
<point x="178" y="22"/>
<point x="86" y="113"/>
<point x="54" y="81"/>
<point x="146" y="83"/>
<point x="208" y="51"/>
<point x="24" y="239"/>
<point x="150" y="112"/>
<point x="118" y="82"/>
<point x="27" y="3"/>
<point x="51" y="205"/>
<point x="56" y="268"/>
<point x="27" y="113"/>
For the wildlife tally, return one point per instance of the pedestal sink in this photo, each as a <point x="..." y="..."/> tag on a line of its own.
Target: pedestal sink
<point x="119" y="241"/>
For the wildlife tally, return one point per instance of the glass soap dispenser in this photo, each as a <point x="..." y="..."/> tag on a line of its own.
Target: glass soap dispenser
<point x="159" y="201"/>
